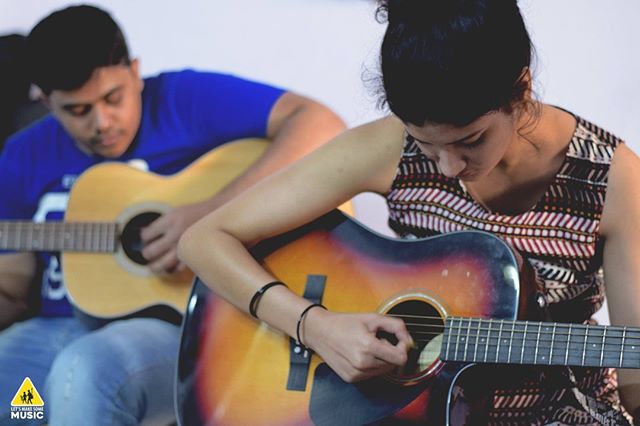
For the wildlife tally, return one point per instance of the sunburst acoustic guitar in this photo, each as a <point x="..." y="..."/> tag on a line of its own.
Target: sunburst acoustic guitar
<point x="459" y="295"/>
<point x="104" y="271"/>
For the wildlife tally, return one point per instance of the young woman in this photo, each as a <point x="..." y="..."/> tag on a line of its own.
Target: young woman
<point x="485" y="155"/>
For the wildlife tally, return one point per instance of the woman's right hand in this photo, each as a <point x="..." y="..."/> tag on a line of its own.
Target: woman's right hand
<point x="348" y="342"/>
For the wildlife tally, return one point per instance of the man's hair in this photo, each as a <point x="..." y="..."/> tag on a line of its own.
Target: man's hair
<point x="66" y="47"/>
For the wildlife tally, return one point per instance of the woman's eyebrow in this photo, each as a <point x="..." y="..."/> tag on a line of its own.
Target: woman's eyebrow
<point x="469" y="136"/>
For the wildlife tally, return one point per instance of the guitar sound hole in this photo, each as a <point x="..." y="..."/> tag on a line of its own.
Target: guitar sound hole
<point x="130" y="237"/>
<point x="426" y="326"/>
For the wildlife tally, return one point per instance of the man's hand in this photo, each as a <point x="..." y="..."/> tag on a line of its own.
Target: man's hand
<point x="161" y="237"/>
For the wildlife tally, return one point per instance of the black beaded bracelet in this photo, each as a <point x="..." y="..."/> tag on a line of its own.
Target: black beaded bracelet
<point x="255" y="300"/>
<point x="302" y="315"/>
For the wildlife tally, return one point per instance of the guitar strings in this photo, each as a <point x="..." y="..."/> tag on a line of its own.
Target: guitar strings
<point x="529" y="330"/>
<point x="494" y="343"/>
<point x="529" y="327"/>
<point x="507" y="335"/>
<point x="532" y="335"/>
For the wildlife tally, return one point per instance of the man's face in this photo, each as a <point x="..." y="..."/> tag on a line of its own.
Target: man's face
<point x="104" y="114"/>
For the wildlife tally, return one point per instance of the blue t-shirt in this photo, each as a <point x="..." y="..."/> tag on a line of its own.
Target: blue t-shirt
<point x="184" y="115"/>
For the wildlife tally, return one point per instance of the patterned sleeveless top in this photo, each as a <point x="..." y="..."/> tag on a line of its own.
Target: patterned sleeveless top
<point x="559" y="237"/>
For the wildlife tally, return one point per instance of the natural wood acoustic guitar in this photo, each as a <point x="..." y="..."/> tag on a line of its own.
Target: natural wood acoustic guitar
<point x="104" y="271"/>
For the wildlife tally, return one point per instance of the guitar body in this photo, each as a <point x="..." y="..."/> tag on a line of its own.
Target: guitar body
<point x="111" y="285"/>
<point x="234" y="370"/>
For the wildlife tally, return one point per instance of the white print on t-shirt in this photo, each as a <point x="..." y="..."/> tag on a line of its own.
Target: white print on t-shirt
<point x="52" y="284"/>
<point x="139" y="164"/>
<point x="68" y="181"/>
<point x="53" y="202"/>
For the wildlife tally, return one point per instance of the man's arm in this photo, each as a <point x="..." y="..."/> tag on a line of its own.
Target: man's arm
<point x="296" y="126"/>
<point x="16" y="274"/>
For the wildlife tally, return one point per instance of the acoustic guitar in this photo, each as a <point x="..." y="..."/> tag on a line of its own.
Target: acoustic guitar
<point x="104" y="271"/>
<point x="459" y="295"/>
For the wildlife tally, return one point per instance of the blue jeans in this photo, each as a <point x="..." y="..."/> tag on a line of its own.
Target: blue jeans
<point x="121" y="374"/>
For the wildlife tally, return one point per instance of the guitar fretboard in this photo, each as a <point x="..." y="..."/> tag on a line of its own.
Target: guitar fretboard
<point x="59" y="236"/>
<point x="526" y="342"/>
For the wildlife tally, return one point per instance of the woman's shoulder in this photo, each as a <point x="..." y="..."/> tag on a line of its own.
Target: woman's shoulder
<point x="372" y="149"/>
<point x="622" y="202"/>
<point x="371" y="138"/>
<point x="383" y="128"/>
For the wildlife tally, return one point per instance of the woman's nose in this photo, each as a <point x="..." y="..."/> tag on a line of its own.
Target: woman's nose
<point x="451" y="164"/>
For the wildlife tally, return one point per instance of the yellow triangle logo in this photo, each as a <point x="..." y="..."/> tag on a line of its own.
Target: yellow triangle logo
<point x="27" y="395"/>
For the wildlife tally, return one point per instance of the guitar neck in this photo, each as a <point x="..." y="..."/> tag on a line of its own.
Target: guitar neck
<point x="59" y="236"/>
<point x="540" y="343"/>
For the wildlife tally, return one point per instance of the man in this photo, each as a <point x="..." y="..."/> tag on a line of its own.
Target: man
<point x="101" y="110"/>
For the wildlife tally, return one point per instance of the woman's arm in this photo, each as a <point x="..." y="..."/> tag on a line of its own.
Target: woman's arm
<point x="362" y="159"/>
<point x="620" y="226"/>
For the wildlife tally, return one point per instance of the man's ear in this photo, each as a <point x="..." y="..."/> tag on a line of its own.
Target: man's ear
<point x="45" y="100"/>
<point x="135" y="66"/>
<point x="135" y="69"/>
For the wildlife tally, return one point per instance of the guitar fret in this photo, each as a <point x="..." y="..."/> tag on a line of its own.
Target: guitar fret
<point x="77" y="238"/>
<point x="553" y="336"/>
<point x="29" y="241"/>
<point x="466" y="340"/>
<point x="69" y="237"/>
<point x="98" y="237"/>
<point x="475" y="347"/>
<point x="513" y="326"/>
<point x="91" y="237"/>
<point x="114" y="236"/>
<point x="584" y="346"/>
<point x="535" y="354"/>
<point x="457" y="339"/>
<point x="86" y="242"/>
<point x="95" y="243"/>
<point x="566" y="353"/>
<point x="624" y="336"/>
<point x="105" y="237"/>
<point x="604" y="337"/>
<point x="448" y="331"/>
<point x="499" y="338"/>
<point x="63" y="237"/>
<point x="38" y="241"/>
<point x="486" y="349"/>
<point x="51" y="234"/>
<point x="524" y="339"/>
<point x="87" y="236"/>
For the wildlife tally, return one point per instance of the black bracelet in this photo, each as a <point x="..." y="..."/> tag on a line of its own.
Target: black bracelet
<point x="255" y="300"/>
<point x="302" y="315"/>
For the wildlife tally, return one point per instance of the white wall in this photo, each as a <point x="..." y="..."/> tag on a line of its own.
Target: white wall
<point x="587" y="51"/>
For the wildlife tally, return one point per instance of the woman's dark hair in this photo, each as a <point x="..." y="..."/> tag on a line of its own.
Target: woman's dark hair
<point x="452" y="61"/>
<point x="66" y="47"/>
